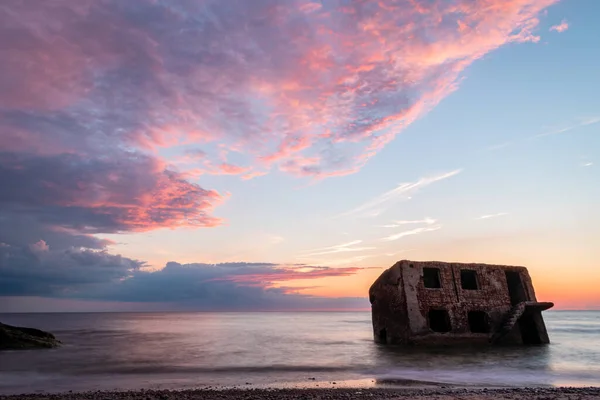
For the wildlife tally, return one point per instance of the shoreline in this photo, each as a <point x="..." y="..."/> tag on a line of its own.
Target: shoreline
<point x="562" y="393"/>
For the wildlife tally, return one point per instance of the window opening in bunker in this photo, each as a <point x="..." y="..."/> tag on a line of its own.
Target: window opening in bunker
<point x="439" y="321"/>
<point x="431" y="278"/>
<point x="468" y="279"/>
<point x="478" y="322"/>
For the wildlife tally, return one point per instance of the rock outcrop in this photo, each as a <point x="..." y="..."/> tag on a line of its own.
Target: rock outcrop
<point x="16" y="338"/>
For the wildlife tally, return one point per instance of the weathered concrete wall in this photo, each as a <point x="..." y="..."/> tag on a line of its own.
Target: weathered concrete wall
<point x="388" y="308"/>
<point x="537" y="317"/>
<point x="528" y="284"/>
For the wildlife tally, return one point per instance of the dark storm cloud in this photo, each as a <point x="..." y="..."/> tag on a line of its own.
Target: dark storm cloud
<point x="17" y="229"/>
<point x="37" y="270"/>
<point x="225" y="284"/>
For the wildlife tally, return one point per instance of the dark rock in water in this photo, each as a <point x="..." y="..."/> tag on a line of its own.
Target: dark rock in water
<point x="16" y="338"/>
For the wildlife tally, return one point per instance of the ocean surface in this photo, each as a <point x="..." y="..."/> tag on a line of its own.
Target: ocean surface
<point x="189" y="350"/>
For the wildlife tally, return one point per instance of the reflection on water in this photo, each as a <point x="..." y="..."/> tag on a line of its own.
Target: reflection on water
<point x="535" y="357"/>
<point x="105" y="351"/>
<point x="492" y="366"/>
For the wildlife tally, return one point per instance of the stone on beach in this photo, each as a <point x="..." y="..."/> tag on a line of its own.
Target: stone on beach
<point x="19" y="338"/>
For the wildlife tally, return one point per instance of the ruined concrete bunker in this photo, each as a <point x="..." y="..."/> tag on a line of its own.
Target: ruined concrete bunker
<point x="434" y="302"/>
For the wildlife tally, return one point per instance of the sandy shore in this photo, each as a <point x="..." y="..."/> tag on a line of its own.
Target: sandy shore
<point x="327" y="394"/>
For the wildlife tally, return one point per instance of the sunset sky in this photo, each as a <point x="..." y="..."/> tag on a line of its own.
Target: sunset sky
<point x="280" y="154"/>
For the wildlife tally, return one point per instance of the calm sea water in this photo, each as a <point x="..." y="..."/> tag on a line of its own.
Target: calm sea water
<point x="171" y="350"/>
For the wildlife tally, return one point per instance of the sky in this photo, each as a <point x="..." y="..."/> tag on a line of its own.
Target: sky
<point x="280" y="154"/>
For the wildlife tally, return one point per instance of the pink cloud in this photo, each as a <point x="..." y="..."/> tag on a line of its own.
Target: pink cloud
<point x="313" y="81"/>
<point x="350" y="91"/>
<point x="126" y="192"/>
<point x="266" y="277"/>
<point x="287" y="147"/>
<point x="310" y="7"/>
<point x="563" y="26"/>
<point x="230" y="169"/>
<point x="93" y="94"/>
<point x="39" y="246"/>
<point x="188" y="166"/>
<point x="51" y="53"/>
<point x="254" y="174"/>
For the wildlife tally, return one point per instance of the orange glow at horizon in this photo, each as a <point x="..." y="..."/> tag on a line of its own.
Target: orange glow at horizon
<point x="573" y="293"/>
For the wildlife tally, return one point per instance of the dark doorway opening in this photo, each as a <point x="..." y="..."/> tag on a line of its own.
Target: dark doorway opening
<point x="478" y="322"/>
<point x="383" y="336"/>
<point x="529" y="330"/>
<point x="439" y="321"/>
<point x="468" y="279"/>
<point x="527" y="325"/>
<point x="515" y="287"/>
<point x="431" y="278"/>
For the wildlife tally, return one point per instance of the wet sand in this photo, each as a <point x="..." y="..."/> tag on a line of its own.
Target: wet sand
<point x="326" y="394"/>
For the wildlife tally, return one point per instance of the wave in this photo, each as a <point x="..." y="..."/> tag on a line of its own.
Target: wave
<point x="491" y="377"/>
<point x="587" y="331"/>
<point x="329" y="342"/>
<point x="171" y="369"/>
<point x="85" y="332"/>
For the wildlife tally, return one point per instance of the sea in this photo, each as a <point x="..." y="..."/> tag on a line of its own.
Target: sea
<point x="123" y="351"/>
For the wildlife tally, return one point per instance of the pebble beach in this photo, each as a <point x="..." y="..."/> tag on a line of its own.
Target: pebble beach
<point x="329" y="394"/>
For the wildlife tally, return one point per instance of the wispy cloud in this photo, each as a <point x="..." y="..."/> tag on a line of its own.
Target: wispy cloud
<point x="587" y="164"/>
<point x="488" y="216"/>
<point x="412" y="232"/>
<point x="584" y="122"/>
<point x="339" y="248"/>
<point x="499" y="146"/>
<point x="375" y="206"/>
<point x="343" y="261"/>
<point x="275" y="239"/>
<point x="563" y="26"/>
<point x="398" y="252"/>
<point x="396" y="224"/>
<point x="267" y="275"/>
